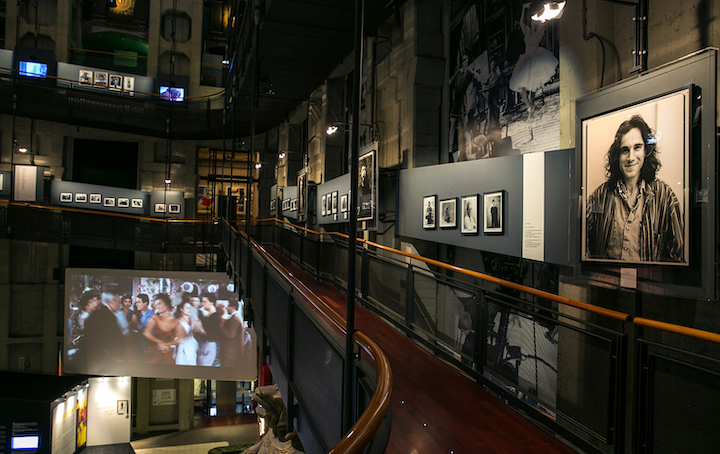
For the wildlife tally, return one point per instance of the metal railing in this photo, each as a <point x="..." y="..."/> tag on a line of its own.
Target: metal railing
<point x="593" y="375"/>
<point x="302" y="342"/>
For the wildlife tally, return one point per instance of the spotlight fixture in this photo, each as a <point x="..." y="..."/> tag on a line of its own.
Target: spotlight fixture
<point x="281" y="155"/>
<point x="551" y="10"/>
<point x="22" y="150"/>
<point x="332" y="129"/>
<point x="168" y="181"/>
<point x="225" y="62"/>
<point x="258" y="165"/>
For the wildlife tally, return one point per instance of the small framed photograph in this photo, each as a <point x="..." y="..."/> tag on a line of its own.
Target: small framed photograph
<point x="123" y="202"/>
<point x="85" y="77"/>
<point x="109" y="201"/>
<point x="323" y="202"/>
<point x="95" y="198"/>
<point x="344" y="203"/>
<point x="294" y="205"/>
<point x="160" y="208"/>
<point x="122" y="407"/>
<point x="335" y="202"/>
<point x="66" y="197"/>
<point x="493" y="212"/>
<point x="469" y="206"/>
<point x="428" y="211"/>
<point x="448" y="213"/>
<point x="174" y="208"/>
<point x="101" y="79"/>
<point x="136" y="203"/>
<point x="129" y="85"/>
<point x="115" y="82"/>
<point x="80" y="198"/>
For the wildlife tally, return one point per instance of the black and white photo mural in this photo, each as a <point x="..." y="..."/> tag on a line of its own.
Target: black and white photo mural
<point x="504" y="80"/>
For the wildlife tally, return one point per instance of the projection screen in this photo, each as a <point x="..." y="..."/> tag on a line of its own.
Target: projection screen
<point x="156" y="324"/>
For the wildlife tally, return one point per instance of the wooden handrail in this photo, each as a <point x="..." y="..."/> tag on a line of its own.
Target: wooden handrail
<point x="356" y="440"/>
<point x="485" y="277"/>
<point x="677" y="329"/>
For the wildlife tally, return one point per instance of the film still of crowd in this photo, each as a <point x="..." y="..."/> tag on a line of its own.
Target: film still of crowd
<point x="197" y="331"/>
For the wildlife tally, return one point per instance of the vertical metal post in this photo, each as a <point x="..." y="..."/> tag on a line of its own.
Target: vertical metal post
<point x="251" y="156"/>
<point x="349" y="388"/>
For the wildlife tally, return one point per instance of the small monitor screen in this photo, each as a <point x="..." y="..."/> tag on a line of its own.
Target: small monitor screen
<point x="32" y="69"/>
<point x="32" y="442"/>
<point x="176" y="94"/>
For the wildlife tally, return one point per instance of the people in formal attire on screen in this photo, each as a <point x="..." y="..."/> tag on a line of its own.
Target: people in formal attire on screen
<point x="187" y="348"/>
<point x="634" y="216"/>
<point x="128" y="311"/>
<point x="162" y="331"/>
<point x="104" y="339"/>
<point x="234" y="336"/>
<point x="210" y="341"/>
<point x="143" y="314"/>
<point x="88" y="302"/>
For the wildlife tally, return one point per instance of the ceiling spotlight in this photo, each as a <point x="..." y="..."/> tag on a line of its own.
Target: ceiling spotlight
<point x="332" y="129"/>
<point x="22" y="150"/>
<point x="258" y="165"/>
<point x="168" y="181"/>
<point x="551" y="10"/>
<point x="281" y="155"/>
<point x="225" y="62"/>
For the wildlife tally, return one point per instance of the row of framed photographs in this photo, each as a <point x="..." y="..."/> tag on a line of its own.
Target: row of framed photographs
<point x="121" y="202"/>
<point x="329" y="203"/>
<point x="444" y="213"/>
<point x="290" y="204"/>
<point x="101" y="79"/>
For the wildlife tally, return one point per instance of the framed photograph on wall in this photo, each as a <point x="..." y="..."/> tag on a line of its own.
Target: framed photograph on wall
<point x="448" y="214"/>
<point x="123" y="202"/>
<point x="109" y="201"/>
<point x="428" y="210"/>
<point x="85" y="77"/>
<point x="174" y="208"/>
<point x="302" y="194"/>
<point x="367" y="183"/>
<point x="160" y="208"/>
<point x="80" y="197"/>
<point x="137" y="203"/>
<point x="66" y="197"/>
<point x="493" y="212"/>
<point x="638" y="156"/>
<point x="323" y="201"/>
<point x="129" y="85"/>
<point x="469" y="213"/>
<point x="115" y="82"/>
<point x="95" y="198"/>
<point x="344" y="203"/>
<point x="334" y="202"/>
<point x="101" y="79"/>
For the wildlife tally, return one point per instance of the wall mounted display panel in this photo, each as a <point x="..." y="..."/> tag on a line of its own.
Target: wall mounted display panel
<point x="94" y="197"/>
<point x="288" y="194"/>
<point x="156" y="341"/>
<point x="337" y="187"/>
<point x="678" y="103"/>
<point x="165" y="199"/>
<point x="29" y="183"/>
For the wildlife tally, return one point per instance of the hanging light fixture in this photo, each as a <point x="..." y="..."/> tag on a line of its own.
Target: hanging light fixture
<point x="551" y="10"/>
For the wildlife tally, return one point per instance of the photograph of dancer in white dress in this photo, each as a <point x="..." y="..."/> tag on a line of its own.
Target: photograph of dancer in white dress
<point x="504" y="89"/>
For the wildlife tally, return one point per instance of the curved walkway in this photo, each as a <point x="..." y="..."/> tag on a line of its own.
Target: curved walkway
<point x="434" y="408"/>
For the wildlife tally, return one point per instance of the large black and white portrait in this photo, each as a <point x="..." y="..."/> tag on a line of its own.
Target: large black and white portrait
<point x="635" y="183"/>
<point x="448" y="214"/>
<point x="323" y="204"/>
<point x="469" y="206"/>
<point x="504" y="81"/>
<point x="428" y="211"/>
<point x="493" y="220"/>
<point x="367" y="182"/>
<point x="302" y="194"/>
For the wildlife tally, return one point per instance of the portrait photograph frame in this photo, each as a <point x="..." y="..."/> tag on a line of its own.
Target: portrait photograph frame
<point x="469" y="205"/>
<point x="136" y="203"/>
<point x="448" y="213"/>
<point x="160" y="208"/>
<point x="85" y="77"/>
<point x="323" y="201"/>
<point x="367" y="183"/>
<point x="66" y="197"/>
<point x="174" y="208"/>
<point x="662" y="175"/>
<point x="334" y="202"/>
<point x="429" y="212"/>
<point x="109" y="201"/>
<point x="115" y="82"/>
<point x="101" y="79"/>
<point x="80" y="197"/>
<point x="302" y="181"/>
<point x="123" y="202"/>
<point x="129" y="85"/>
<point x="494" y="220"/>
<point x="95" y="198"/>
<point x="344" y="203"/>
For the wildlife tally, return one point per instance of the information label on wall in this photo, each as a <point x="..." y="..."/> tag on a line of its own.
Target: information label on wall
<point x="533" y="239"/>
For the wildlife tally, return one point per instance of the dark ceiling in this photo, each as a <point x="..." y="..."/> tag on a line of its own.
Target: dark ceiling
<point x="301" y="42"/>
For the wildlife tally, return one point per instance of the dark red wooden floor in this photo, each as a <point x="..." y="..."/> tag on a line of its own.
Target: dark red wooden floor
<point x="434" y="408"/>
